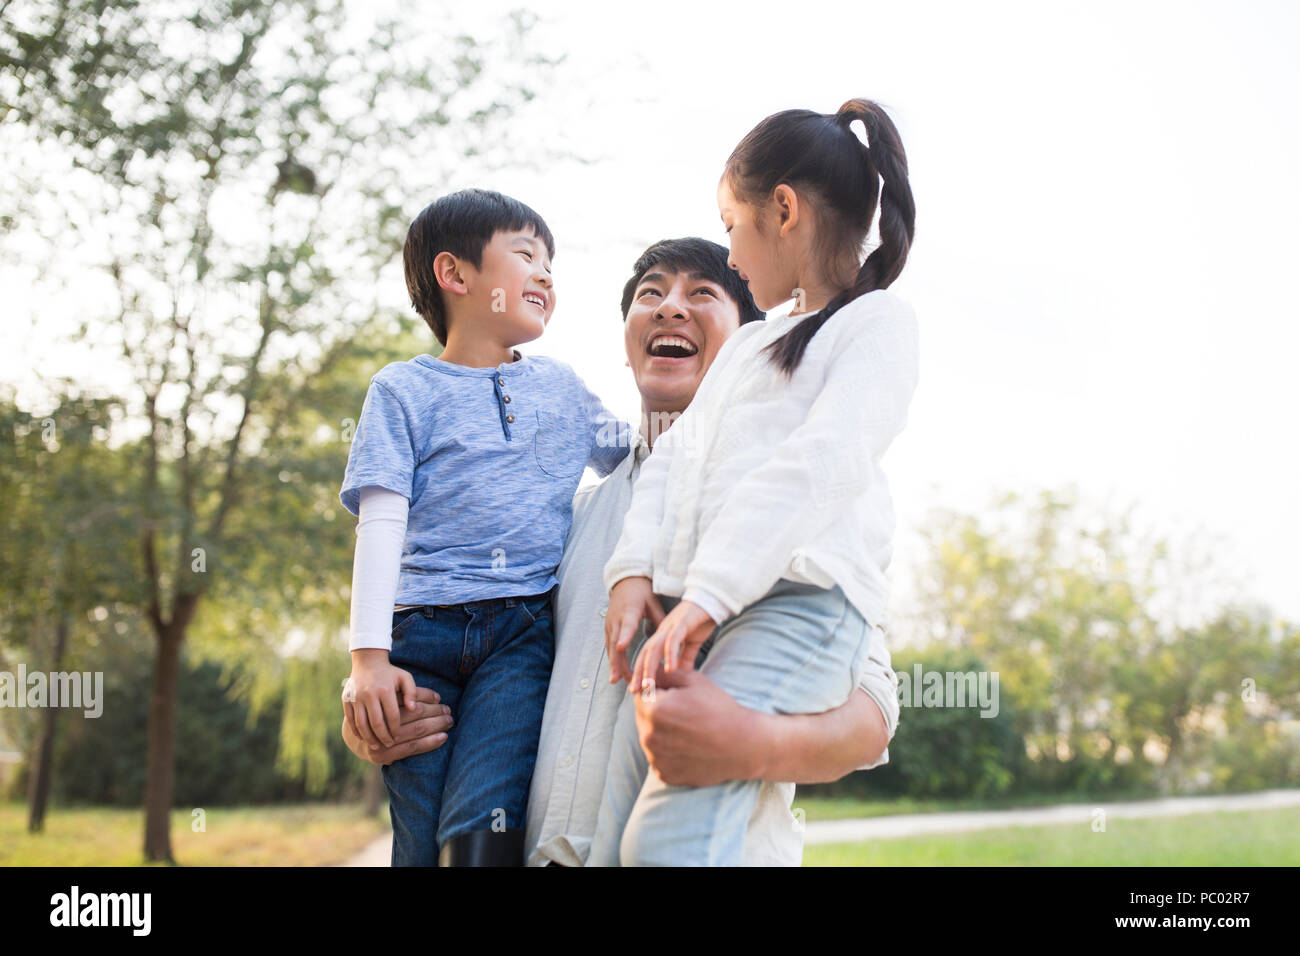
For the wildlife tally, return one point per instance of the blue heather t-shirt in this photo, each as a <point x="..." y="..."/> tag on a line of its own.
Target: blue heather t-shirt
<point x="489" y="459"/>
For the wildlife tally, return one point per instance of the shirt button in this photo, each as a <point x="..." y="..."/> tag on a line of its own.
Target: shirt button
<point x="501" y="381"/>
<point x="510" y="418"/>
<point x="602" y="612"/>
<point x="584" y="683"/>
<point x="567" y="760"/>
<point x="505" y="398"/>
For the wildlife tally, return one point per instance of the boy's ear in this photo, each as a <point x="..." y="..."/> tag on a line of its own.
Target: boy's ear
<point x="450" y="273"/>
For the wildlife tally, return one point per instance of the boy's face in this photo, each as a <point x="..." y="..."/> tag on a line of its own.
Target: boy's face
<point x="675" y="325"/>
<point x="512" y="287"/>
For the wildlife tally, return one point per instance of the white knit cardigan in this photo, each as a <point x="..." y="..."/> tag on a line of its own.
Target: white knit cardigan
<point x="764" y="478"/>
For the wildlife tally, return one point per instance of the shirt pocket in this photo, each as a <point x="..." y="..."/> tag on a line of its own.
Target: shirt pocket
<point x="560" y="443"/>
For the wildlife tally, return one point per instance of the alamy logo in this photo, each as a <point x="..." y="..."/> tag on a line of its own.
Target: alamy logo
<point x="56" y="689"/>
<point x="102" y="909"/>
<point x="924" y="688"/>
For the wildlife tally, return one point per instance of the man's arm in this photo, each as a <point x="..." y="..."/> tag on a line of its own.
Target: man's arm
<point x="696" y="734"/>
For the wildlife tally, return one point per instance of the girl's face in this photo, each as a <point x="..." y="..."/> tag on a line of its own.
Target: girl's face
<point x="755" y="256"/>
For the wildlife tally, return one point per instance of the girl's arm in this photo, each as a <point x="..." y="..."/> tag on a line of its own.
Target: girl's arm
<point x="822" y="465"/>
<point x="633" y="555"/>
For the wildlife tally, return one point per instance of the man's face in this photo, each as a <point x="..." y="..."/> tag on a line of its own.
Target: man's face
<point x="676" y="324"/>
<point x="513" y="286"/>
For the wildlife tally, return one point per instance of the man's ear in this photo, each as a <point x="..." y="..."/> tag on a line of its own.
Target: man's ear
<point x="450" y="273"/>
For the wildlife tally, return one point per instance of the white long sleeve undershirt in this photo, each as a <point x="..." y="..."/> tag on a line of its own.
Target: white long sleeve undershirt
<point x="376" y="566"/>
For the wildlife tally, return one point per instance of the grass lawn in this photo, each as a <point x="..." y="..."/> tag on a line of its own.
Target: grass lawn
<point x="849" y="808"/>
<point x="306" y="835"/>
<point x="1243" y="838"/>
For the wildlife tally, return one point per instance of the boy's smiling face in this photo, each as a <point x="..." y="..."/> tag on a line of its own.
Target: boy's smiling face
<point x="511" y="289"/>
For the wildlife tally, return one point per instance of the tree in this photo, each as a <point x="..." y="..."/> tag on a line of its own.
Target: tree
<point x="64" y="518"/>
<point x="1123" y="671"/>
<point x="243" y="170"/>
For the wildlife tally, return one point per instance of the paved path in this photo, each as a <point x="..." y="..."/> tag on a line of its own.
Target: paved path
<point x="919" y="824"/>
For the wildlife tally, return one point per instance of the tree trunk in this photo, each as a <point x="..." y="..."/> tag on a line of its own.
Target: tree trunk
<point x="160" y="777"/>
<point x="374" y="789"/>
<point x="38" y="791"/>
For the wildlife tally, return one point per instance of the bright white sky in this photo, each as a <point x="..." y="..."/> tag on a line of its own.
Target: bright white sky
<point x="1106" y="230"/>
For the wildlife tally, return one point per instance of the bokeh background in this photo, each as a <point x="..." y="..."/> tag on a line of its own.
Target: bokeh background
<point x="201" y="213"/>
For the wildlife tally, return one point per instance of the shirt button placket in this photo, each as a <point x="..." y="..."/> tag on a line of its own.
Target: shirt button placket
<point x="502" y="400"/>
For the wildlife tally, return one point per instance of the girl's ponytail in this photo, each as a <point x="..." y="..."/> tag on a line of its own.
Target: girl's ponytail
<point x="886" y="157"/>
<point x="822" y="154"/>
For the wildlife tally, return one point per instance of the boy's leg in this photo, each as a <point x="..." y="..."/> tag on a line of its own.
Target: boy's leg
<point x="793" y="651"/>
<point x="424" y="642"/>
<point x="509" y="649"/>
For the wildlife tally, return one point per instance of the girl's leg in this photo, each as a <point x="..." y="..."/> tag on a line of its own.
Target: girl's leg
<point x="623" y="780"/>
<point x="793" y="651"/>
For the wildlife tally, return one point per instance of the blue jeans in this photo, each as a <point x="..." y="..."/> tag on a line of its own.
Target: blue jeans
<point x="793" y="651"/>
<point x="490" y="661"/>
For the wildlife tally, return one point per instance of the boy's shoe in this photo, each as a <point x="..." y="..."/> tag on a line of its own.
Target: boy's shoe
<point x="484" y="848"/>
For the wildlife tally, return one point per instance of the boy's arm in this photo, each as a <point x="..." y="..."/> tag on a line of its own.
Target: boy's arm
<point x="372" y="712"/>
<point x="377" y="566"/>
<point x="611" y="438"/>
<point x="381" y="459"/>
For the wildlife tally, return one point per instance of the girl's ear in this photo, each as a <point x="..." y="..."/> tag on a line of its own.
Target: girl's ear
<point x="786" y="201"/>
<point x="447" y="269"/>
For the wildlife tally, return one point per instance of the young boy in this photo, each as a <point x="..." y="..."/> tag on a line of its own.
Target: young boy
<point x="462" y="474"/>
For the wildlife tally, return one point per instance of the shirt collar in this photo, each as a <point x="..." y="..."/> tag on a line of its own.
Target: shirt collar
<point x="640" y="450"/>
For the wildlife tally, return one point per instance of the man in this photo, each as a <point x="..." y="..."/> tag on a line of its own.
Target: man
<point x="679" y="307"/>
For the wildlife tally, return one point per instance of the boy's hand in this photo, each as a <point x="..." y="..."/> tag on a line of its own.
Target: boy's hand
<point x="630" y="600"/>
<point x="374" y="714"/>
<point x="678" y="639"/>
<point x="423" y="729"/>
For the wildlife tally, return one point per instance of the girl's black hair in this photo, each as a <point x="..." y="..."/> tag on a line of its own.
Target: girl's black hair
<point x="819" y="154"/>
<point x="461" y="223"/>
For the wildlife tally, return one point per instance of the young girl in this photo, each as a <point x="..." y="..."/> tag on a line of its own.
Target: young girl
<point x="762" y="518"/>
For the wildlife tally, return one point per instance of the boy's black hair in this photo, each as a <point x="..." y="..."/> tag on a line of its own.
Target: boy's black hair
<point x="461" y="223"/>
<point x="701" y="256"/>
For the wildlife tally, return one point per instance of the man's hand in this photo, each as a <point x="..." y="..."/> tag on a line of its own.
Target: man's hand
<point x="423" y="728"/>
<point x="694" y="733"/>
<point x="675" y="643"/>
<point x="374" y="713"/>
<point x="630" y="600"/>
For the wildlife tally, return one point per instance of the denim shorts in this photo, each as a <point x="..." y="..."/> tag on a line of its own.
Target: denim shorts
<point x="490" y="662"/>
<point x="796" y="650"/>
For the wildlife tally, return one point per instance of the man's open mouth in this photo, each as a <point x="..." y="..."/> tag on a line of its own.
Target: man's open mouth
<point x="536" y="299"/>
<point x="667" y="345"/>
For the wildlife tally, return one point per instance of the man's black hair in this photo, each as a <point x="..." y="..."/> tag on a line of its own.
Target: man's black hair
<point x="461" y="223"/>
<point x="693" y="255"/>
